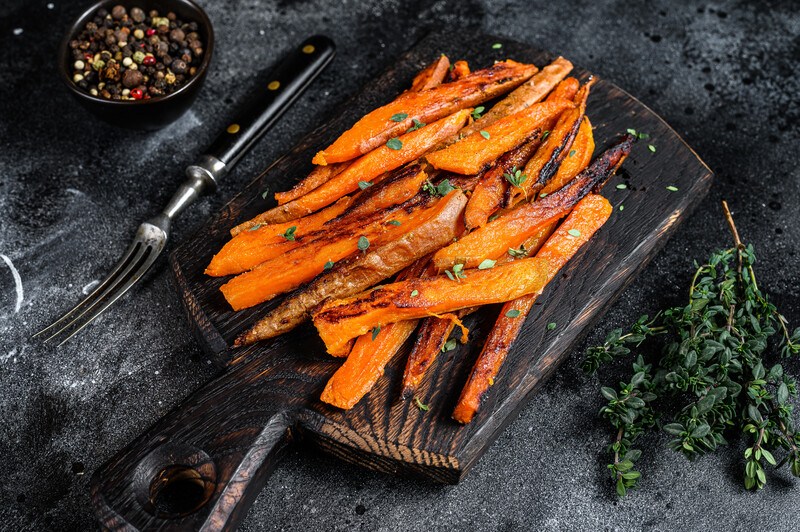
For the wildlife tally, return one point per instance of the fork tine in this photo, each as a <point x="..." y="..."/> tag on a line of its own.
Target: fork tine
<point x="118" y="268"/>
<point x="115" y="292"/>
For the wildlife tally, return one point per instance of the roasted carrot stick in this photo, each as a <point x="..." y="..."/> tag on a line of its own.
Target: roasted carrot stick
<point x="471" y="154"/>
<point x="431" y="76"/>
<point x="401" y="185"/>
<point x="512" y="228"/>
<point x="368" y="357"/>
<point x="340" y="320"/>
<point x="372" y="166"/>
<point x="460" y="70"/>
<point x="431" y="339"/>
<point x="427" y="106"/>
<point x="259" y="243"/>
<point x="527" y="94"/>
<point x="351" y="277"/>
<point x="365" y="364"/>
<point x="576" y="160"/>
<point x="588" y="216"/>
<point x="289" y="270"/>
<point x="487" y="197"/>
<point x="565" y="90"/>
<point x="545" y="162"/>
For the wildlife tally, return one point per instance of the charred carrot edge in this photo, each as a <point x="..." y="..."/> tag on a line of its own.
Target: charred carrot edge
<point x="545" y="162"/>
<point x="459" y="71"/>
<point x="297" y="266"/>
<point x="431" y="76"/>
<point x="340" y="320"/>
<point x="586" y="219"/>
<point x="512" y="228"/>
<point x="247" y="249"/>
<point x="431" y="338"/>
<point x="371" y="167"/>
<point x="527" y="94"/>
<point x="473" y="153"/>
<point x="489" y="191"/>
<point x="575" y="163"/>
<point x="368" y="357"/>
<point x="427" y="106"/>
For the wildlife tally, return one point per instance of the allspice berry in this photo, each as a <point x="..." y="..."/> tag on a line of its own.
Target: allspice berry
<point x="132" y="78"/>
<point x="137" y="14"/>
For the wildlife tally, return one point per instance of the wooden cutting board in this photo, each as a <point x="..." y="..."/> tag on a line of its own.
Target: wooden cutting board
<point x="203" y="464"/>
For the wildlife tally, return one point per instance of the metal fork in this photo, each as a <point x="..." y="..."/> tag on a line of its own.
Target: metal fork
<point x="287" y="82"/>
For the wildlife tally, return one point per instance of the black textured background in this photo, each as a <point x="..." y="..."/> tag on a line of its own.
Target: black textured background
<point x="72" y="190"/>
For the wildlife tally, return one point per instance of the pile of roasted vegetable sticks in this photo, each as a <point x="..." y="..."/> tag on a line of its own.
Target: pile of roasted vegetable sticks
<point x="459" y="207"/>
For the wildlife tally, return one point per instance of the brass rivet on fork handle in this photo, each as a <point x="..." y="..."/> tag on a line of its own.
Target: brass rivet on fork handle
<point x="296" y="71"/>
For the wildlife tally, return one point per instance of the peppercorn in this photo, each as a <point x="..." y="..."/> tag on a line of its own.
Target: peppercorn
<point x="179" y="66"/>
<point x="177" y="35"/>
<point x="137" y="14"/>
<point x="132" y="78"/>
<point x="149" y="60"/>
<point x="137" y="94"/>
<point x="117" y="12"/>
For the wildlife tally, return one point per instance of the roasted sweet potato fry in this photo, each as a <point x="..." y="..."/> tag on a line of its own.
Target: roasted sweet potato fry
<point x="576" y="160"/>
<point x="400" y="186"/>
<point x="368" y="357"/>
<point x="460" y="71"/>
<point x="365" y="364"/>
<point x="512" y="228"/>
<point x="350" y="278"/>
<point x="340" y="320"/>
<point x="545" y="162"/>
<point x="487" y="197"/>
<point x="565" y="90"/>
<point x="527" y="94"/>
<point x="427" y="106"/>
<point x="289" y="270"/>
<point x="431" y="339"/>
<point x="318" y="176"/>
<point x="432" y="76"/>
<point x="371" y="167"/>
<point x="259" y="243"/>
<point x="588" y="216"/>
<point x="471" y="154"/>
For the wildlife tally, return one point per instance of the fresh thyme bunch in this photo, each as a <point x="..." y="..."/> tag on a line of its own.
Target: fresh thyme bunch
<point x="715" y="375"/>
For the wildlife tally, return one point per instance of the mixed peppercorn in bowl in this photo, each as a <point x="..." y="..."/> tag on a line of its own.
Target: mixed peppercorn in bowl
<point x="138" y="65"/>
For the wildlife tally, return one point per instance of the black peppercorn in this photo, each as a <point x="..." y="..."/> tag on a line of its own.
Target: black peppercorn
<point x="137" y="14"/>
<point x="117" y="12"/>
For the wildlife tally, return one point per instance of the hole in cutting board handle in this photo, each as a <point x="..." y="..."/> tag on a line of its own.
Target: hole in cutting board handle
<point x="179" y="490"/>
<point x="174" y="480"/>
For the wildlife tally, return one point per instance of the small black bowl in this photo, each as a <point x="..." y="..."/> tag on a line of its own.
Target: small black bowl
<point x="153" y="113"/>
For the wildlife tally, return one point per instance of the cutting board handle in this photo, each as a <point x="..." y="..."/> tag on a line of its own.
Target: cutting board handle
<point x="184" y="475"/>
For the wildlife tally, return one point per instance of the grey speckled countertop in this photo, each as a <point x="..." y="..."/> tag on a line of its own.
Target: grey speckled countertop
<point x="724" y="74"/>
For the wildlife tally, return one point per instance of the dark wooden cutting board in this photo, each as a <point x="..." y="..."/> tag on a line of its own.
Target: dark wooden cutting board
<point x="203" y="464"/>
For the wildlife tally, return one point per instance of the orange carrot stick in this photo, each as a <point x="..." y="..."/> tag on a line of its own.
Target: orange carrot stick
<point x="340" y="320"/>
<point x="588" y="216"/>
<point x="371" y="167"/>
<point x="512" y="228"/>
<point x="545" y="162"/>
<point x="487" y="197"/>
<point x="460" y="70"/>
<point x="427" y="106"/>
<point x="432" y="76"/>
<point x="471" y="154"/>
<point x="576" y="161"/>
<point x="293" y="268"/>
<point x="527" y="94"/>
<point x="249" y="248"/>
<point x="369" y="356"/>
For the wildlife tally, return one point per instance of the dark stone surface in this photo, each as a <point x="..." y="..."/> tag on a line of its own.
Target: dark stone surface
<point x="72" y="190"/>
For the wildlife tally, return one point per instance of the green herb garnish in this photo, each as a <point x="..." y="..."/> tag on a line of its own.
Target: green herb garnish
<point x="449" y="345"/>
<point x="328" y="265"/>
<point x="394" y="222"/>
<point x="416" y="126"/>
<point x="497" y="46"/>
<point x="363" y="243"/>
<point x="375" y="332"/>
<point x="414" y="293"/>
<point x="289" y="234"/>
<point x="515" y="177"/>
<point x="364" y="184"/>
<point x="442" y="189"/>
<point x="574" y="232"/>
<point x="486" y="264"/>
<point x="399" y="117"/>
<point x="265" y="193"/>
<point x="518" y="253"/>
<point x="622" y="186"/>
<point x="552" y="325"/>
<point x="394" y="144"/>
<point x="672" y="188"/>
<point x="705" y="372"/>
<point x="484" y="134"/>
<point x="476" y="113"/>
<point x="513" y="313"/>
<point x="421" y="406"/>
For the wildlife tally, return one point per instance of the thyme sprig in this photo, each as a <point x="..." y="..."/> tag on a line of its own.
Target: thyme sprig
<point x="715" y="376"/>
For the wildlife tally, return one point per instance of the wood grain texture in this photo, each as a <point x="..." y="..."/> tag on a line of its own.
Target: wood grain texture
<point x="268" y="392"/>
